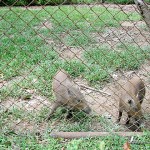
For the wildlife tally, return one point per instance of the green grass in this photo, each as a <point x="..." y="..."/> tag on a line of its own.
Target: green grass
<point x="103" y="61"/>
<point x="24" y="53"/>
<point x="29" y="63"/>
<point x="31" y="142"/>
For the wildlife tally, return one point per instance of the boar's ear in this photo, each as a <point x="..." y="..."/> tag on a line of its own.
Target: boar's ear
<point x="78" y="100"/>
<point x="70" y="93"/>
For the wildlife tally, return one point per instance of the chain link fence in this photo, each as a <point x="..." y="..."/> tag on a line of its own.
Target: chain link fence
<point x="93" y="55"/>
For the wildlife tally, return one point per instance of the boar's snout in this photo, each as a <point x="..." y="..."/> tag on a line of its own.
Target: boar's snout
<point x="139" y="121"/>
<point x="87" y="110"/>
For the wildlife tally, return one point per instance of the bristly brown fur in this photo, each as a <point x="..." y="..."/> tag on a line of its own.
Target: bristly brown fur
<point x="130" y="99"/>
<point x="67" y="94"/>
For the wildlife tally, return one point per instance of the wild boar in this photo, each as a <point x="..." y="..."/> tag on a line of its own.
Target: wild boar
<point x="67" y="94"/>
<point x="130" y="100"/>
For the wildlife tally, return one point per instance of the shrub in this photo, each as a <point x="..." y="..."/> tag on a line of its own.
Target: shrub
<point x="43" y="2"/>
<point x="14" y="2"/>
<point x="120" y="1"/>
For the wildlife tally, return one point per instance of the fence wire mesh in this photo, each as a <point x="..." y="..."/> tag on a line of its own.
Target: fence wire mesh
<point x="93" y="55"/>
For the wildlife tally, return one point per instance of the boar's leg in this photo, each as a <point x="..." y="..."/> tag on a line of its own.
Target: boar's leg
<point x="128" y="119"/>
<point x="141" y="95"/>
<point x="54" y="107"/>
<point x="119" y="116"/>
<point x="69" y="115"/>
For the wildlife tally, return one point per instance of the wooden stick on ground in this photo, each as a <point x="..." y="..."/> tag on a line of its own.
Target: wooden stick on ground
<point x="72" y="135"/>
<point x="90" y="88"/>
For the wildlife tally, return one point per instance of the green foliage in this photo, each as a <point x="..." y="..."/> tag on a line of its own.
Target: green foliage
<point x="78" y="39"/>
<point x="73" y="67"/>
<point x="14" y="2"/>
<point x="121" y="1"/>
<point x="44" y="2"/>
<point x="56" y="2"/>
<point x="113" y="141"/>
<point x="28" y="142"/>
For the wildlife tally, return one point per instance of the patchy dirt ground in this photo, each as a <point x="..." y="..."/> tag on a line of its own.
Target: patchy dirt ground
<point x="103" y="103"/>
<point x="128" y="33"/>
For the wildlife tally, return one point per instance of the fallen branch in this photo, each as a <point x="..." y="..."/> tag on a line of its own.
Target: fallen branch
<point x="72" y="135"/>
<point x="90" y="88"/>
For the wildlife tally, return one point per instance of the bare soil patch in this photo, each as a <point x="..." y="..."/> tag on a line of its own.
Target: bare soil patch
<point x="9" y="83"/>
<point x="34" y="103"/>
<point x="68" y="52"/>
<point x="46" y="24"/>
<point x="24" y="126"/>
<point x="129" y="33"/>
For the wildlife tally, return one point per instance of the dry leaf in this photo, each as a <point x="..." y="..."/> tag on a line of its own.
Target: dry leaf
<point x="126" y="146"/>
<point x="30" y="91"/>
